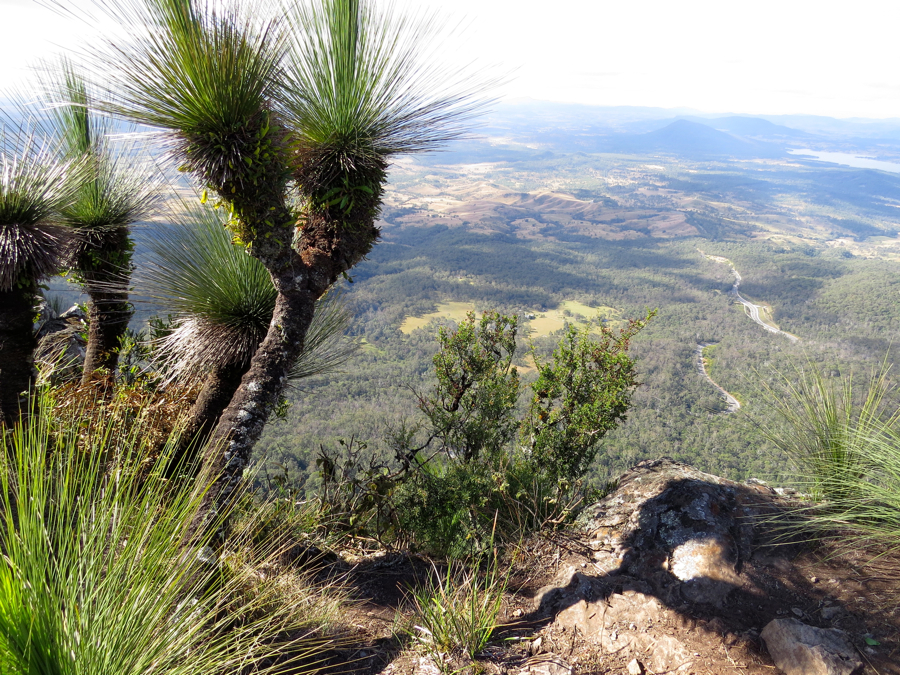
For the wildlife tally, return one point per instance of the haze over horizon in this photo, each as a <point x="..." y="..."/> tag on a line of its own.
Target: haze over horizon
<point x="772" y="58"/>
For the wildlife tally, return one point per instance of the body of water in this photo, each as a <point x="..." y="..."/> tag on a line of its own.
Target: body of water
<point x="846" y="159"/>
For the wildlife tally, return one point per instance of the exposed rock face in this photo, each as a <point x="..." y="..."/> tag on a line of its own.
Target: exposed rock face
<point x="676" y="564"/>
<point x="680" y="529"/>
<point x="616" y="618"/>
<point x="667" y="538"/>
<point x="798" y="649"/>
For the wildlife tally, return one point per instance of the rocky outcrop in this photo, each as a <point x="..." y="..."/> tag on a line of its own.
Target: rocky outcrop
<point x="684" y="531"/>
<point x="681" y="560"/>
<point x="617" y="620"/>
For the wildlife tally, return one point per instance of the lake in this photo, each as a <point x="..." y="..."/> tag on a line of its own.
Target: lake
<point x="847" y="159"/>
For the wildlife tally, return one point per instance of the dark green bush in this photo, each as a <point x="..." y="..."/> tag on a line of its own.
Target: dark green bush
<point x="470" y="482"/>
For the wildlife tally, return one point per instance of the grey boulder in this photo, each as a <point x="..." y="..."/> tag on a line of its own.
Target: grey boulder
<point x="798" y="649"/>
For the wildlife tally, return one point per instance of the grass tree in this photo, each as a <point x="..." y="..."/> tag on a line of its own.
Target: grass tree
<point x="260" y="106"/>
<point x="844" y="439"/>
<point x="221" y="303"/>
<point x="115" y="190"/>
<point x="34" y="187"/>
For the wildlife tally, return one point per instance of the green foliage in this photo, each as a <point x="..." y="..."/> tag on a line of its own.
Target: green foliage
<point x="135" y="355"/>
<point x="118" y="186"/>
<point x="361" y="83"/>
<point x="323" y="91"/>
<point x="479" y="484"/>
<point x="457" y="615"/>
<point x="846" y="445"/>
<point x="457" y="509"/>
<point x="447" y="508"/>
<point x="827" y="427"/>
<point x="206" y="73"/>
<point x="220" y="298"/>
<point x="472" y="409"/>
<point x="220" y="301"/>
<point x="578" y="397"/>
<point x="97" y="575"/>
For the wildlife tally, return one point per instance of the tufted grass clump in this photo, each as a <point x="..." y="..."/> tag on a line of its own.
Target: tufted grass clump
<point x="457" y="614"/>
<point x="100" y="575"/>
<point x="845" y="442"/>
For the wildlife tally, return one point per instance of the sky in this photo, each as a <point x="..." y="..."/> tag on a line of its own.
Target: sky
<point x="757" y="57"/>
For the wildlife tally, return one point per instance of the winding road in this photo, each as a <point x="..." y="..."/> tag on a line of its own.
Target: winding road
<point x="753" y="310"/>
<point x="733" y="405"/>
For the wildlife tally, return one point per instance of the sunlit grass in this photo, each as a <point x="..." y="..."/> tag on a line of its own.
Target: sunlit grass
<point x="99" y="574"/>
<point x="543" y="324"/>
<point x="456" y="616"/>
<point x="845" y="444"/>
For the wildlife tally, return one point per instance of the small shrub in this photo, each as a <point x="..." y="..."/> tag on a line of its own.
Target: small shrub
<point x="457" y="614"/>
<point x="472" y="408"/>
<point x="482" y="471"/>
<point x="458" y="509"/>
<point x="580" y="395"/>
<point x="447" y="508"/>
<point x="846" y="446"/>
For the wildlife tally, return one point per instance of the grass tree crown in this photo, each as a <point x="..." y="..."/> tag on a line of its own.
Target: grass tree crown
<point x="360" y="87"/>
<point x="118" y="186"/>
<point x="318" y="93"/>
<point x="34" y="187"/>
<point x="221" y="301"/>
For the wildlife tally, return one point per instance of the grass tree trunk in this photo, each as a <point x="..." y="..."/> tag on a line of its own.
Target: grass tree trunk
<point x="17" y="344"/>
<point x="218" y="389"/>
<point x="330" y="244"/>
<point x="106" y="271"/>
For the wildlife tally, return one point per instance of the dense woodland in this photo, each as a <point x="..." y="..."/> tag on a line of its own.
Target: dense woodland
<point x="841" y="305"/>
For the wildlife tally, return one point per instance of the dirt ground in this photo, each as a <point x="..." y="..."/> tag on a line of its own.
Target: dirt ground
<point x="813" y="584"/>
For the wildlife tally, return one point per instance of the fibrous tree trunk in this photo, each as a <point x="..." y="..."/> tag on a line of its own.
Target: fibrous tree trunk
<point x="108" y="315"/>
<point x="329" y="245"/>
<point x="106" y="268"/>
<point x="17" y="344"/>
<point x="216" y="393"/>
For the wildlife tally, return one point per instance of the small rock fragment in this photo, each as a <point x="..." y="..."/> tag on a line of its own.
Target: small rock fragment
<point x="797" y="611"/>
<point x="426" y="666"/>
<point x="635" y="667"/>
<point x="553" y="665"/>
<point x="798" y="649"/>
<point x="830" y="612"/>
<point x="669" y="655"/>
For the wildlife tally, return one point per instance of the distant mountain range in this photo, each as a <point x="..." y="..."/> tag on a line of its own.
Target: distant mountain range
<point x="693" y="139"/>
<point x="558" y="127"/>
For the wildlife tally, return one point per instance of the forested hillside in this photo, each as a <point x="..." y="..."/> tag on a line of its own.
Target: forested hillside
<point x="524" y="232"/>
